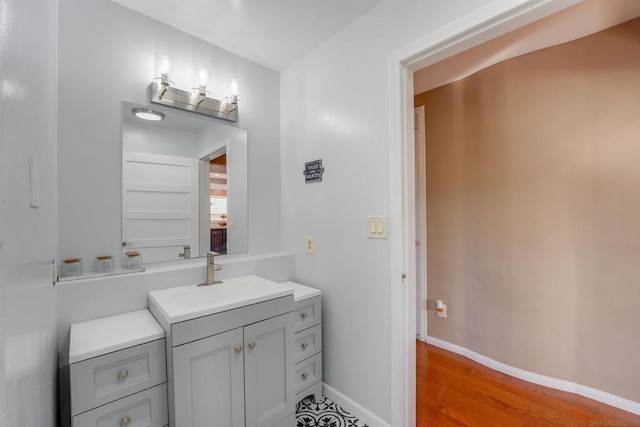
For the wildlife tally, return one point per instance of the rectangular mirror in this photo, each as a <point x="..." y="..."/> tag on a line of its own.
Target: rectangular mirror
<point x="184" y="185"/>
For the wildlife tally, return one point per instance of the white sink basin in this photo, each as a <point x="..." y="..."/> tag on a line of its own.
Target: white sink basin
<point x="188" y="302"/>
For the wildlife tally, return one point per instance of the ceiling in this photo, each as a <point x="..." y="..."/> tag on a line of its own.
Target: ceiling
<point x="274" y="33"/>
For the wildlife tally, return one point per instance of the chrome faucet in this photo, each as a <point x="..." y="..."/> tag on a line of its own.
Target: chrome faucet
<point x="212" y="267"/>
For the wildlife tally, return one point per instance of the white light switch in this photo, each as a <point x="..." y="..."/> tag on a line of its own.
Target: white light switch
<point x="377" y="227"/>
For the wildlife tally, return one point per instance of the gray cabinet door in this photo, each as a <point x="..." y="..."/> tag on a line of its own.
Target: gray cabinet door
<point x="269" y="389"/>
<point x="208" y="381"/>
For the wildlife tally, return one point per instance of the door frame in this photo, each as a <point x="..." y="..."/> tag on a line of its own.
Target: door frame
<point x="421" y="223"/>
<point x="494" y="19"/>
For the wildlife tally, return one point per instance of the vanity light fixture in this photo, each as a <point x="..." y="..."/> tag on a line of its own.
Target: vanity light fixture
<point x="197" y="101"/>
<point x="147" y="114"/>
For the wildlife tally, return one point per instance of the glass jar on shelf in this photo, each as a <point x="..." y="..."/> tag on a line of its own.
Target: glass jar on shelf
<point x="71" y="267"/>
<point x="132" y="260"/>
<point x="104" y="263"/>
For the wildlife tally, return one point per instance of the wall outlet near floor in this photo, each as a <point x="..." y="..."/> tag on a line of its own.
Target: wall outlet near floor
<point x="441" y="309"/>
<point x="309" y="245"/>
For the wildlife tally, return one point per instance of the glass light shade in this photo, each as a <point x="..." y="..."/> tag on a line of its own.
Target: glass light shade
<point x="163" y="64"/>
<point x="203" y="75"/>
<point x="234" y="87"/>
<point x="147" y="114"/>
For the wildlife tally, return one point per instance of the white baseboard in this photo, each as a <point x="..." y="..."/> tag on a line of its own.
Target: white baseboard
<point x="591" y="393"/>
<point x="362" y="413"/>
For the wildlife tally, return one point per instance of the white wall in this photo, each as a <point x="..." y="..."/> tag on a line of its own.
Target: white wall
<point x="335" y="108"/>
<point x="28" y="237"/>
<point x="169" y="142"/>
<point x="106" y="55"/>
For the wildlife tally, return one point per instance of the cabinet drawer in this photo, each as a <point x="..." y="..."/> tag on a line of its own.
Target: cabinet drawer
<point x="147" y="408"/>
<point x="308" y="372"/>
<point x="307" y="343"/>
<point x="307" y="314"/>
<point x="103" y="379"/>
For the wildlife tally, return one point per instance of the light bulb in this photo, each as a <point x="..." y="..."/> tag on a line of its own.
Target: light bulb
<point x="164" y="65"/>
<point x="203" y="76"/>
<point x="234" y="88"/>
<point x="163" y="68"/>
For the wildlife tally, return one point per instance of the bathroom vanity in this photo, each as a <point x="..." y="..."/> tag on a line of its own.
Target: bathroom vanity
<point x="238" y="353"/>
<point x="230" y="351"/>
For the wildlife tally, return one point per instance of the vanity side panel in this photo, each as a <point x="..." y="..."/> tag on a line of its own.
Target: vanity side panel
<point x="168" y="357"/>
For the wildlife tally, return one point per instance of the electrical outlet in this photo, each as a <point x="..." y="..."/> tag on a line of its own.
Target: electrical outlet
<point x="309" y="245"/>
<point x="441" y="309"/>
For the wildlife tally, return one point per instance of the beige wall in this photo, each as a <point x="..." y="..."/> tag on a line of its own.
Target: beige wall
<point x="533" y="188"/>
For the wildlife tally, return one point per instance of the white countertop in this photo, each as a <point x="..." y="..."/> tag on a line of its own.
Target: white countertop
<point x="108" y="334"/>
<point x="183" y="303"/>
<point x="301" y="292"/>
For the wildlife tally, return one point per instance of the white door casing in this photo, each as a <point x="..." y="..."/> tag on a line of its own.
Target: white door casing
<point x="421" y="223"/>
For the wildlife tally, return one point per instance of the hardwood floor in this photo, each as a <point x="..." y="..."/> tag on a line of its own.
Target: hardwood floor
<point x="453" y="391"/>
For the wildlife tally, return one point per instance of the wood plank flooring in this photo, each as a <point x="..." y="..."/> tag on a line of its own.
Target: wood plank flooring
<point x="453" y="390"/>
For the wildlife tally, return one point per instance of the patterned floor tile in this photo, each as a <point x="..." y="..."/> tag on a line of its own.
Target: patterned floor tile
<point x="324" y="413"/>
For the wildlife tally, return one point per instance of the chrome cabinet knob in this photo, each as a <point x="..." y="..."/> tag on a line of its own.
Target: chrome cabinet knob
<point x="304" y="345"/>
<point x="303" y="314"/>
<point x="125" y="421"/>
<point x="238" y="348"/>
<point x="305" y="375"/>
<point x="122" y="375"/>
<point x="251" y="344"/>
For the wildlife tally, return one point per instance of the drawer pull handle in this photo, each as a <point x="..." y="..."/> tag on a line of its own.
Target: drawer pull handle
<point x="125" y="421"/>
<point x="122" y="375"/>
<point x="251" y="344"/>
<point x="238" y="348"/>
<point x="304" y="345"/>
<point x="303" y="314"/>
<point x="305" y="375"/>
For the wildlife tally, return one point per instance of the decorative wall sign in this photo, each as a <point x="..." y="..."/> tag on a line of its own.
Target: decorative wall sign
<point x="313" y="171"/>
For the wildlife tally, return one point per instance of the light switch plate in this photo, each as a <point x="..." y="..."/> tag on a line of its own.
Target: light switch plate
<point x="377" y="227"/>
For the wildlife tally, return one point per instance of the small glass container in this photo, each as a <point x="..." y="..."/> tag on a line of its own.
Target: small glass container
<point x="104" y="263"/>
<point x="71" y="267"/>
<point x="132" y="259"/>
